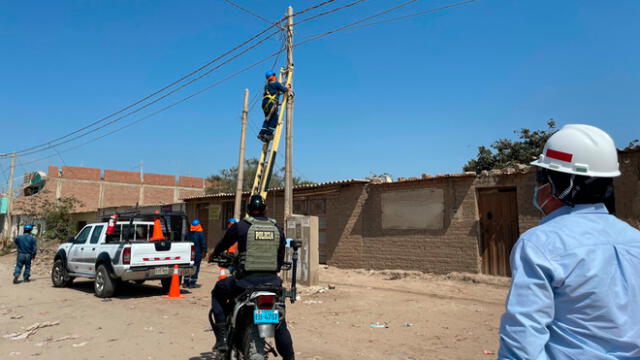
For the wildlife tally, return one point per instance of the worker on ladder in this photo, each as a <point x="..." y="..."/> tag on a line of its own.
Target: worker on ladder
<point x="270" y="103"/>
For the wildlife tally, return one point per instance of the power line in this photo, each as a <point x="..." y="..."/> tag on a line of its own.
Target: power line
<point x="155" y="100"/>
<point x="48" y="143"/>
<point x="251" y="13"/>
<point x="313" y="38"/>
<point x="31" y="150"/>
<point x="329" y="12"/>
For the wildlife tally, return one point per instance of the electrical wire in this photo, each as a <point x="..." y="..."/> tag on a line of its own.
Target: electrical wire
<point x="250" y="13"/>
<point x="329" y="12"/>
<point x="156" y="100"/>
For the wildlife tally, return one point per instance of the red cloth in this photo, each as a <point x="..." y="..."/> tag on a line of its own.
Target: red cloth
<point x="197" y="228"/>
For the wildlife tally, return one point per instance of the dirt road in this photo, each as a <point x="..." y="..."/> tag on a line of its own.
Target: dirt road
<point x="428" y="317"/>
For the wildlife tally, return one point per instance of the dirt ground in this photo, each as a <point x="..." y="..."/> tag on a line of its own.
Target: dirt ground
<point x="427" y="317"/>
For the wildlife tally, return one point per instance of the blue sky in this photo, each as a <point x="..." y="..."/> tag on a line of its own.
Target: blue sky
<point x="408" y="97"/>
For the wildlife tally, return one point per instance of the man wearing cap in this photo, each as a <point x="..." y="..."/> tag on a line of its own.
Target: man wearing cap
<point x="26" y="251"/>
<point x="575" y="290"/>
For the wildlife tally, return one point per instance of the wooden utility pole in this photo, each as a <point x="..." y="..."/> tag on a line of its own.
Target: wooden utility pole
<point x="288" y="174"/>
<point x="240" y="179"/>
<point x="7" y="216"/>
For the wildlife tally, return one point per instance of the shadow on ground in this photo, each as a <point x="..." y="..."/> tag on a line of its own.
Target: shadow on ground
<point x="127" y="290"/>
<point x="205" y="356"/>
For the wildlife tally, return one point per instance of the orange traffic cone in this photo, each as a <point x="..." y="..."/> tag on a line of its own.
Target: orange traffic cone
<point x="174" y="290"/>
<point x="224" y="273"/>
<point x="157" y="231"/>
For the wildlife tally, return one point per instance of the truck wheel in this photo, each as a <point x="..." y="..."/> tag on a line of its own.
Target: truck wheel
<point x="59" y="274"/>
<point x="139" y="282"/>
<point x="104" y="286"/>
<point x="166" y="283"/>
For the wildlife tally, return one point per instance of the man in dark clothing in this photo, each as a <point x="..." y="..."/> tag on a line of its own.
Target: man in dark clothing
<point x="256" y="235"/>
<point x="270" y="103"/>
<point x="27" y="247"/>
<point x="196" y="236"/>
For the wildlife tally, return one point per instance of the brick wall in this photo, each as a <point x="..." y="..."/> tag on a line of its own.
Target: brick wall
<point x="116" y="195"/>
<point x="81" y="173"/>
<point x="157" y="179"/>
<point x="88" y="193"/>
<point x="53" y="171"/>
<point x="188" y="181"/>
<point x="128" y="177"/>
<point x="158" y="195"/>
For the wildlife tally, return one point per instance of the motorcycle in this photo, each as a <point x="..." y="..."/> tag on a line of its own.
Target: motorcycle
<point x="256" y="312"/>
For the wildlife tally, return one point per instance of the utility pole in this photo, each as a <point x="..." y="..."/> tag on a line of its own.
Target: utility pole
<point x="7" y="216"/>
<point x="240" y="179"/>
<point x="288" y="175"/>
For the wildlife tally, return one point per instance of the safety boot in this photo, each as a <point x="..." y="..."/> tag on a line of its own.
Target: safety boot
<point x="27" y="279"/>
<point x="15" y="279"/>
<point x="220" y="331"/>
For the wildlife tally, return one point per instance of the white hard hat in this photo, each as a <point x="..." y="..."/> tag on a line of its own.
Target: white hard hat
<point x="580" y="150"/>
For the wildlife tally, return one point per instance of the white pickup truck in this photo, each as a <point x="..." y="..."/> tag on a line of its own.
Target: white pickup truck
<point x="111" y="259"/>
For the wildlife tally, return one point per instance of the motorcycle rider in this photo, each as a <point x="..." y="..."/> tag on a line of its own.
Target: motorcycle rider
<point x="256" y="236"/>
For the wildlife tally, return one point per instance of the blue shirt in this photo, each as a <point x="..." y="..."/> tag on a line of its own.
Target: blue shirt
<point x="575" y="291"/>
<point x="26" y="244"/>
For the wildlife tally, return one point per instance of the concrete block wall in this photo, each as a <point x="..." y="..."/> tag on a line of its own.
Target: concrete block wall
<point x="452" y="248"/>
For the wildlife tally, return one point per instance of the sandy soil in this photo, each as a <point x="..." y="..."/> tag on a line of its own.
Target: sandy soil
<point x="428" y="317"/>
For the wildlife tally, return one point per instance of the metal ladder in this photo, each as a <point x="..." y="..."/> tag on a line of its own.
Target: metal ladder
<point x="270" y="149"/>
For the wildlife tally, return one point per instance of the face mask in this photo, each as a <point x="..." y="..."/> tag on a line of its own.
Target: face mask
<point x="536" y="204"/>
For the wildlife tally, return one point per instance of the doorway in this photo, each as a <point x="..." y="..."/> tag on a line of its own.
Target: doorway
<point x="498" y="208"/>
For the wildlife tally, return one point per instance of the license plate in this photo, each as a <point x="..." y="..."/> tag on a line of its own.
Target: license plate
<point x="161" y="271"/>
<point x="266" y="317"/>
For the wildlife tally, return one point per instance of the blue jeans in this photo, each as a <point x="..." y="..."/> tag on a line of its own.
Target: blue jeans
<point x="194" y="278"/>
<point x="23" y="260"/>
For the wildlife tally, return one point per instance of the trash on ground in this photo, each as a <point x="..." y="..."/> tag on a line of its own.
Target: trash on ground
<point x="408" y="324"/>
<point x="378" y="325"/>
<point x="16" y="317"/>
<point x="80" y="344"/>
<point x="311" y="302"/>
<point x="488" y="352"/>
<point x="30" y="330"/>
<point x="331" y="287"/>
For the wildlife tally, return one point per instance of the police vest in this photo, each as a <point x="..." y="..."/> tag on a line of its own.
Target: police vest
<point x="263" y="241"/>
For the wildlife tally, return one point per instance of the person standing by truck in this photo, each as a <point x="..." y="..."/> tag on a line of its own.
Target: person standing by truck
<point x="26" y="246"/>
<point x="196" y="236"/>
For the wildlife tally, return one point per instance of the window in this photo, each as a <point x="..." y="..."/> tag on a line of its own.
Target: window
<point x="83" y="235"/>
<point x="421" y="209"/>
<point x="142" y="232"/>
<point x="95" y="236"/>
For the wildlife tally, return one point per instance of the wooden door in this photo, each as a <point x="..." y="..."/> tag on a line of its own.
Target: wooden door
<point x="498" y="209"/>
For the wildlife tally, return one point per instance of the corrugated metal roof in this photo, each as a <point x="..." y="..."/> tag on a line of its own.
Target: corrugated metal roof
<point x="298" y="187"/>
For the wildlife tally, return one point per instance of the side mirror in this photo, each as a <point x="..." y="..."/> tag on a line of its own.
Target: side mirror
<point x="71" y="239"/>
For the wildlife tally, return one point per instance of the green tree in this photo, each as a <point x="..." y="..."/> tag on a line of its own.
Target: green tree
<point x="225" y="180"/>
<point x="56" y="213"/>
<point x="507" y="153"/>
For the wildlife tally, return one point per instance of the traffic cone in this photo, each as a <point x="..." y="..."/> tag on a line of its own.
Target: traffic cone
<point x="157" y="231"/>
<point x="174" y="290"/>
<point x="224" y="273"/>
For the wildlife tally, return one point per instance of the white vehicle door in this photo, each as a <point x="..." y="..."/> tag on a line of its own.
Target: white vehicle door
<point x="90" y="250"/>
<point x="76" y="251"/>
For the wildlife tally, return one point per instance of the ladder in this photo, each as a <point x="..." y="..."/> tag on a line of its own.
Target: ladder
<point x="270" y="149"/>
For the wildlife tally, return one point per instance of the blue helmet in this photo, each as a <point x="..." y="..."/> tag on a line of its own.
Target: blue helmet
<point x="28" y="227"/>
<point x="269" y="74"/>
<point x="233" y="221"/>
<point x="195" y="222"/>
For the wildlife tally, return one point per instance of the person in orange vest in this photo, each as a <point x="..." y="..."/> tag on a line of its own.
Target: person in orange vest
<point x="196" y="236"/>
